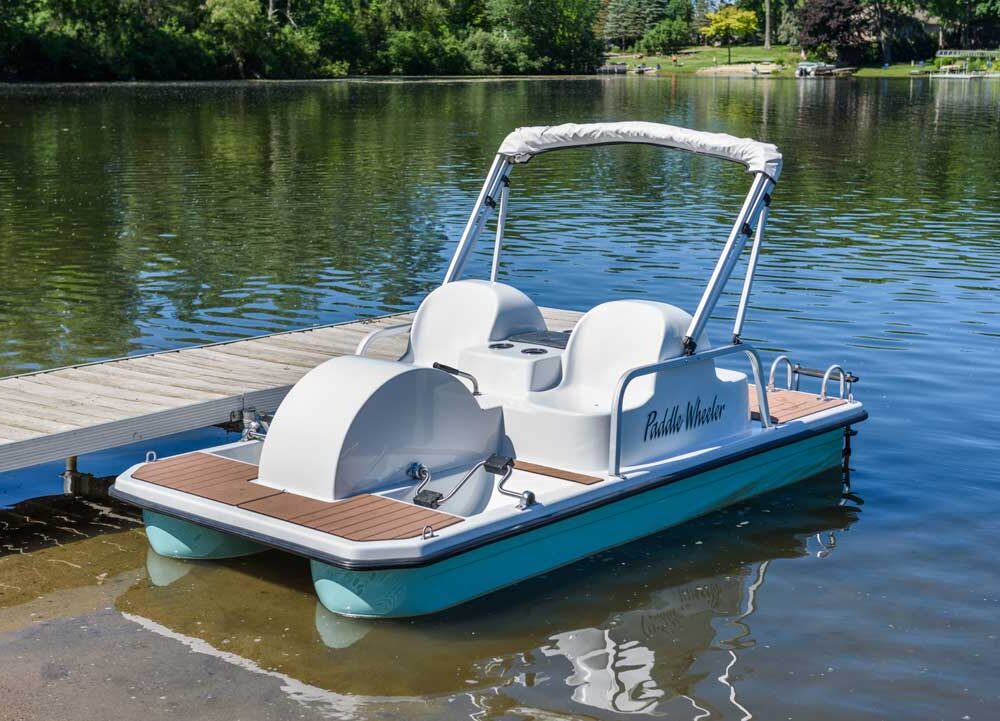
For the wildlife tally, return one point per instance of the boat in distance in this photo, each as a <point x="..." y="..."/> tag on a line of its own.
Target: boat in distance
<point x="496" y="449"/>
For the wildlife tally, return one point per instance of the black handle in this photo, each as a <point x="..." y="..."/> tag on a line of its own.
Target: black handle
<point x="461" y="374"/>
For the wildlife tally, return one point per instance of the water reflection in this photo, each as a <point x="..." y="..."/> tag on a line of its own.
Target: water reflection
<point x="629" y="631"/>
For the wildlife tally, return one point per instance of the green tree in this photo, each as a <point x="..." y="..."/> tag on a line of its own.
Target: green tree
<point x="238" y="26"/>
<point x="666" y="36"/>
<point x="498" y="53"/>
<point x="728" y="25"/>
<point x="560" y="32"/>
<point x="699" y="16"/>
<point x="971" y="23"/>
<point x="624" y="22"/>
<point x="788" y="26"/>
<point x="672" y="32"/>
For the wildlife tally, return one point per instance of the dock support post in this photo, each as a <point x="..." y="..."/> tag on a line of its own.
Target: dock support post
<point x="69" y="474"/>
<point x="84" y="484"/>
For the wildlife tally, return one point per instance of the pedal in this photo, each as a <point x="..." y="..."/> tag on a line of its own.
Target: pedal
<point x="428" y="498"/>
<point x="498" y="465"/>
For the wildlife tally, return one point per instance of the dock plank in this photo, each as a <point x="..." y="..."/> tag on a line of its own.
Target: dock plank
<point x="57" y="388"/>
<point x="190" y="388"/>
<point x="266" y="376"/>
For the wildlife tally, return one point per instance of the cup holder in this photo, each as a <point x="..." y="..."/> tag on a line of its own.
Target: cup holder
<point x="501" y="346"/>
<point x="534" y="351"/>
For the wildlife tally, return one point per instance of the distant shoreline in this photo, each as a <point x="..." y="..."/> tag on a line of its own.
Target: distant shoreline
<point x="441" y="79"/>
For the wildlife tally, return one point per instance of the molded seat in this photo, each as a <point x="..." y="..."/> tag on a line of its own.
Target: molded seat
<point x="569" y="426"/>
<point x="468" y="313"/>
<point x="609" y="340"/>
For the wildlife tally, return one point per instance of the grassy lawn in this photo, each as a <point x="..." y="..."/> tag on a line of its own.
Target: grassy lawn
<point x="902" y="70"/>
<point x="691" y="60"/>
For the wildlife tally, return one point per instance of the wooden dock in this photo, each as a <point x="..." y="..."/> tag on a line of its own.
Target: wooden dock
<point x="56" y="414"/>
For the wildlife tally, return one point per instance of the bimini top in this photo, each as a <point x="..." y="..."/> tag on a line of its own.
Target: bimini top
<point x="525" y="143"/>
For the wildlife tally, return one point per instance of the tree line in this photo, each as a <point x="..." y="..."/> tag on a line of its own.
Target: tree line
<point x="198" y="39"/>
<point x="222" y="39"/>
<point x="849" y="30"/>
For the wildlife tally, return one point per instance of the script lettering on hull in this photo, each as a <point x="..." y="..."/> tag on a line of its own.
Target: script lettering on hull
<point x="677" y="419"/>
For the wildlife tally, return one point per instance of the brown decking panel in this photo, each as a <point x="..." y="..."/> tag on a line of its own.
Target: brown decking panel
<point x="234" y="495"/>
<point x="359" y="518"/>
<point x="556" y="473"/>
<point x="195" y="469"/>
<point x="207" y="476"/>
<point x="788" y="406"/>
<point x="286" y="506"/>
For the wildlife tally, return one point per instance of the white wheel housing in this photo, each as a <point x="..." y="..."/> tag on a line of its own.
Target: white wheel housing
<point x="354" y="425"/>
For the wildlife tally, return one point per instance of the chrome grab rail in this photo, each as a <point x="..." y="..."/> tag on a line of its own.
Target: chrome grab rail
<point x="789" y="371"/>
<point x="794" y="372"/>
<point x="843" y="383"/>
<point x="615" y="452"/>
<point x="380" y="333"/>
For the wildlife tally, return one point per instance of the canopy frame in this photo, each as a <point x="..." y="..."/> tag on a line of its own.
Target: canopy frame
<point x="749" y="223"/>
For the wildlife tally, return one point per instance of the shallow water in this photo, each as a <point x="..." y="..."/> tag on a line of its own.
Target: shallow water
<point x="135" y="218"/>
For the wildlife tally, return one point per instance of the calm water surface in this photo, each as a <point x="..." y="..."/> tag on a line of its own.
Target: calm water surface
<point x="140" y="218"/>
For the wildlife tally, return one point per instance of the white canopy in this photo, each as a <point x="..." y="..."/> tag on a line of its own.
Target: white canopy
<point x="525" y="143"/>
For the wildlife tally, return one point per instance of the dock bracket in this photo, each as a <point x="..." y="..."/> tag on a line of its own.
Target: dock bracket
<point x="255" y="425"/>
<point x="251" y="425"/>
<point x="86" y="485"/>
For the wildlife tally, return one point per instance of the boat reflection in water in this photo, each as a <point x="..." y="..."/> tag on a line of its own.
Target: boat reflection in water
<point x="632" y="631"/>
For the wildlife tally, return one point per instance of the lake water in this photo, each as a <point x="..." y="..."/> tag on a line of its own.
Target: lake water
<point x="136" y="218"/>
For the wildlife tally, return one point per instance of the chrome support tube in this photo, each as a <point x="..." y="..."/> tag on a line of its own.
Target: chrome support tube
<point x="501" y="219"/>
<point x="615" y="452"/>
<point x="458" y="486"/>
<point x="379" y="334"/>
<point x="741" y="312"/>
<point x="477" y="219"/>
<point x="748" y="214"/>
<point x="525" y="499"/>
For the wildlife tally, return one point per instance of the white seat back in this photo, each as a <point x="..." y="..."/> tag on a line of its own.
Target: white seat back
<point x="615" y="337"/>
<point x="467" y="313"/>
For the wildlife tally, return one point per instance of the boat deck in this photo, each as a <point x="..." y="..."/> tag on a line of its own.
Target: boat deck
<point x="359" y="518"/>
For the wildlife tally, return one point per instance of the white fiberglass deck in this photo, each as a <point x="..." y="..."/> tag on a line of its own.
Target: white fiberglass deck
<point x="55" y="414"/>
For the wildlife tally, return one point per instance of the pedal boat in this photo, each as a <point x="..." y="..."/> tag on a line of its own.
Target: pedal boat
<point x="496" y="449"/>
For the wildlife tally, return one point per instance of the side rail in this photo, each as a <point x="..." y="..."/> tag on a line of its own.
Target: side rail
<point x="375" y="335"/>
<point x="615" y="453"/>
<point x="795" y="371"/>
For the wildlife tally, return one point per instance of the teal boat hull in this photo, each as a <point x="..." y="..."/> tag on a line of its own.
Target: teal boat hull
<point x="176" y="538"/>
<point x="423" y="590"/>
